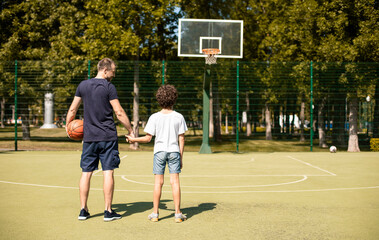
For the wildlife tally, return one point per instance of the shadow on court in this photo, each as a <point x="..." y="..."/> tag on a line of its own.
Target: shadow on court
<point x="129" y="209"/>
<point x="137" y="207"/>
<point x="192" y="211"/>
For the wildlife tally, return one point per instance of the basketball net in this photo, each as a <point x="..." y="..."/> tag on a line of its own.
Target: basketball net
<point x="211" y="53"/>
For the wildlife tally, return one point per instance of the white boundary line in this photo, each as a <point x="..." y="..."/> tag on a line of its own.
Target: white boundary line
<point x="217" y="187"/>
<point x="144" y="191"/>
<point x="312" y="166"/>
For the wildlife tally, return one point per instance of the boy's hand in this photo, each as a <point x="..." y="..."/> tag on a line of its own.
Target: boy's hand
<point x="129" y="139"/>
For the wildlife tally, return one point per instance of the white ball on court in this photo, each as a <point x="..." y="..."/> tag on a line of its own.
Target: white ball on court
<point x="333" y="149"/>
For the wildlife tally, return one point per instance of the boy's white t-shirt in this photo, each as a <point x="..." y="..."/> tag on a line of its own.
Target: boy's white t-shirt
<point x="166" y="128"/>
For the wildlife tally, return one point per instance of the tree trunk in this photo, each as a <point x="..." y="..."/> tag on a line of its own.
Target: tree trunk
<point x="293" y="119"/>
<point x="338" y="134"/>
<point x="288" y="123"/>
<point x="268" y="122"/>
<point x="254" y="118"/>
<point x="248" y="124"/>
<point x="302" y="120"/>
<point x="276" y="124"/>
<point x="321" y="125"/>
<point x="219" y="127"/>
<point x="217" y="114"/>
<point x="135" y="145"/>
<point x="193" y="126"/>
<point x="25" y="126"/>
<point x="226" y="123"/>
<point x="2" y="111"/>
<point x="375" y="122"/>
<point x="353" y="126"/>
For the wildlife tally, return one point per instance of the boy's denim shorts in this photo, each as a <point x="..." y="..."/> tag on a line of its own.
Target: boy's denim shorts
<point x="171" y="158"/>
<point x="106" y="152"/>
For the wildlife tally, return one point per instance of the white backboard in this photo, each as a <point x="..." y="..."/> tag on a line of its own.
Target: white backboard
<point x="197" y="34"/>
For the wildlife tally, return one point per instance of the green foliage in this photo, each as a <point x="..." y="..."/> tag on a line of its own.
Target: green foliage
<point x="284" y="34"/>
<point x="275" y="30"/>
<point x="374" y="144"/>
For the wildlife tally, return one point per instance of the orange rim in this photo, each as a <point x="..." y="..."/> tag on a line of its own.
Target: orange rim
<point x="211" y="51"/>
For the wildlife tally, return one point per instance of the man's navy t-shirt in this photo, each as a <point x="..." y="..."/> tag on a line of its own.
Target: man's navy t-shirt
<point x="98" y="112"/>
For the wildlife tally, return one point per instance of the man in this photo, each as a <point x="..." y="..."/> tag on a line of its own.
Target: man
<point x="99" y="98"/>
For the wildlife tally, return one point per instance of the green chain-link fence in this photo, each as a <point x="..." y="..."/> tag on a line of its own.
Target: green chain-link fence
<point x="274" y="99"/>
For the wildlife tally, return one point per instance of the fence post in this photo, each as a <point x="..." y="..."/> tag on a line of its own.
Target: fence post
<point x="89" y="69"/>
<point x="163" y="66"/>
<point x="15" y="106"/>
<point x="311" y="108"/>
<point x="238" y="104"/>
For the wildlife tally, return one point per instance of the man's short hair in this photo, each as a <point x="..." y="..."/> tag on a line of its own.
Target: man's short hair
<point x="105" y="63"/>
<point x="166" y="96"/>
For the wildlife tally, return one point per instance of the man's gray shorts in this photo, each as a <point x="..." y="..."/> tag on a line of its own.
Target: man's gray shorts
<point x="171" y="158"/>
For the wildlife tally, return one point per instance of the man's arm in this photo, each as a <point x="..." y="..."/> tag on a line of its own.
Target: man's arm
<point x="73" y="109"/>
<point x="121" y="115"/>
<point x="181" y="149"/>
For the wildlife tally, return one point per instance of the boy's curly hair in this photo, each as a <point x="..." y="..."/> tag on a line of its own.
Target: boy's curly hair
<point x="166" y="96"/>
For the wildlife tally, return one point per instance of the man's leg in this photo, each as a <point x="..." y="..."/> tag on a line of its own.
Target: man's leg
<point x="175" y="184"/>
<point x="108" y="187"/>
<point x="159" y="180"/>
<point x="84" y="186"/>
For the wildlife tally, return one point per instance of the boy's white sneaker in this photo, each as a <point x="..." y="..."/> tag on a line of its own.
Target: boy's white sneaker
<point x="180" y="217"/>
<point x="153" y="217"/>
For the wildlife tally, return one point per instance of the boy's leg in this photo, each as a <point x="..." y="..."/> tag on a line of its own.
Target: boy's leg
<point x="108" y="187"/>
<point x="159" y="180"/>
<point x="84" y="186"/>
<point x="175" y="184"/>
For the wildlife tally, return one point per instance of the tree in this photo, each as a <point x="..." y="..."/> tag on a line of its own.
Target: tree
<point x="28" y="39"/>
<point x="330" y="31"/>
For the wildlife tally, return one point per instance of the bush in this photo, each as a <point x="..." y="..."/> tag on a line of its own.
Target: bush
<point x="374" y="144"/>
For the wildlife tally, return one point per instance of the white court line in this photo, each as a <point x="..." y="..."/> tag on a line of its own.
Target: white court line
<point x="312" y="166"/>
<point x="97" y="171"/>
<point x="124" y="157"/>
<point x="39" y="185"/>
<point x="143" y="191"/>
<point x="246" y="186"/>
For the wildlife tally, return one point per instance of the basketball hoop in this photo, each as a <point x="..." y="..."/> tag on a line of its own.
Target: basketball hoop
<point x="211" y="55"/>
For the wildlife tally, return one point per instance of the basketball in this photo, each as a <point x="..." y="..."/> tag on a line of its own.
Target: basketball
<point x="75" y="129"/>
<point x="333" y="149"/>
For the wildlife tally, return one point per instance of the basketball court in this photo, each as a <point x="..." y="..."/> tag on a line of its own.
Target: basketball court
<point x="224" y="195"/>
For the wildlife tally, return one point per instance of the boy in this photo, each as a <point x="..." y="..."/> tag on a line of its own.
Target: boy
<point x="168" y="127"/>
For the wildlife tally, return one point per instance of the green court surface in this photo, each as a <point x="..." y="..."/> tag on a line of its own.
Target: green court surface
<point x="224" y="195"/>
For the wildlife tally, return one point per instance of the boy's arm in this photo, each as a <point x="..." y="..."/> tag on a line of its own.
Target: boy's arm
<point x="145" y="139"/>
<point x="181" y="148"/>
